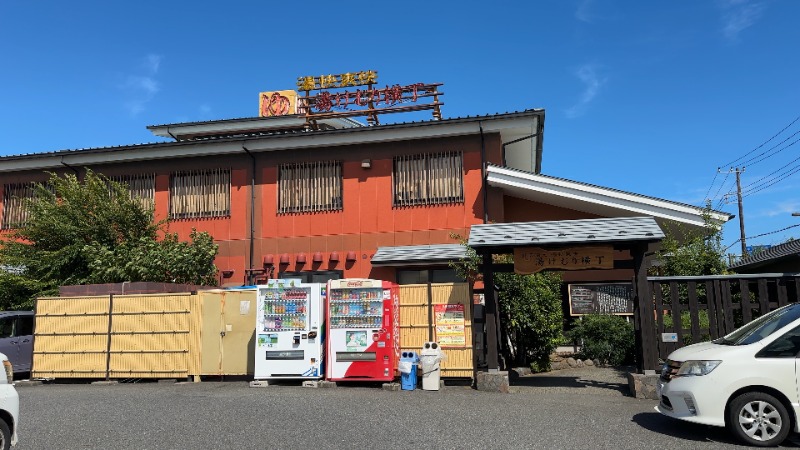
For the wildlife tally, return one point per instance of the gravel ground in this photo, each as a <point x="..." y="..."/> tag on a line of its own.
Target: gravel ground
<point x="570" y="409"/>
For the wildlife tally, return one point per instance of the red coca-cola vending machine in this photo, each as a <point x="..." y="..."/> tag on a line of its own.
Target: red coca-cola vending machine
<point x="363" y="336"/>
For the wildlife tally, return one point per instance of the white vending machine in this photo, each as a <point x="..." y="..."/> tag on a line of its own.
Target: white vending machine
<point x="289" y="330"/>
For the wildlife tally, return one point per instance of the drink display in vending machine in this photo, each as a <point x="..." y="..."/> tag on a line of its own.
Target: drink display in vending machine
<point x="363" y="335"/>
<point x="289" y="330"/>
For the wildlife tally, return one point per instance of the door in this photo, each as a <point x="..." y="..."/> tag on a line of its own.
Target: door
<point x="23" y="333"/>
<point x="9" y="345"/>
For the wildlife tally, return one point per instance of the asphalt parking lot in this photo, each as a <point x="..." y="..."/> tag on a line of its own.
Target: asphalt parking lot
<point x="569" y="410"/>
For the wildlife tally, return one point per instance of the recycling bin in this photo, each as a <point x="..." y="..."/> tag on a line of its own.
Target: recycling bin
<point x="408" y="370"/>
<point x="430" y="358"/>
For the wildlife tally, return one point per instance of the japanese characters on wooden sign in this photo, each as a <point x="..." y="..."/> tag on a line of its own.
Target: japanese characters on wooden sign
<point x="529" y="260"/>
<point x="601" y="298"/>
<point x="359" y="95"/>
<point x="449" y="320"/>
<point x="277" y="103"/>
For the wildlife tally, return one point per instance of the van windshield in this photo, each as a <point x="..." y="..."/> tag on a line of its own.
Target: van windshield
<point x="762" y="327"/>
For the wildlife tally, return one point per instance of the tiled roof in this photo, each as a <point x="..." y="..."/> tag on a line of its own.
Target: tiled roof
<point x="584" y="231"/>
<point x="791" y="248"/>
<point x="420" y="254"/>
<point x="266" y="134"/>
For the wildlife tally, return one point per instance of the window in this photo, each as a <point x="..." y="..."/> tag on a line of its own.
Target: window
<point x="786" y="346"/>
<point x="142" y="187"/>
<point x="315" y="276"/>
<point x="307" y="187"/>
<point x="6" y="327"/>
<point x="423" y="276"/>
<point x="24" y="326"/>
<point x="15" y="214"/>
<point x="200" y="193"/>
<point x="428" y="179"/>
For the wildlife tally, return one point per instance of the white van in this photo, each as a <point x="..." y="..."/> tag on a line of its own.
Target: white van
<point x="747" y="380"/>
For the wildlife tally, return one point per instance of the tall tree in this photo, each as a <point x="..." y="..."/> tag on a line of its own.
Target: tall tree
<point x="84" y="231"/>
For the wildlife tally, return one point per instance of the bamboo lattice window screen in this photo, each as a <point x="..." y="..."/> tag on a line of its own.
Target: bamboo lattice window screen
<point x="200" y="193"/>
<point x="142" y="187"/>
<point x="15" y="214"/>
<point x="428" y="179"/>
<point x="304" y="187"/>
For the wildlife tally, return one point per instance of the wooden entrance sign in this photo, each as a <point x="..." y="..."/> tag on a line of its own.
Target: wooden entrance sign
<point x="529" y="260"/>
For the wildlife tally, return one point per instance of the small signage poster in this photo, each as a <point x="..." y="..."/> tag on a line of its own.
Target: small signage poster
<point x="601" y="298"/>
<point x="449" y="324"/>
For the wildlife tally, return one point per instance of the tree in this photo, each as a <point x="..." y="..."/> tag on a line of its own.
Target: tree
<point x="80" y="232"/>
<point x="690" y="252"/>
<point x="530" y="309"/>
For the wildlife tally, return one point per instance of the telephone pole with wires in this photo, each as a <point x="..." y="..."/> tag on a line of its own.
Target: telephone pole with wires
<point x="741" y="208"/>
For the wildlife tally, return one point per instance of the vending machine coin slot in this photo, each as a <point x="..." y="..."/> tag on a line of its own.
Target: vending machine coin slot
<point x="296" y="339"/>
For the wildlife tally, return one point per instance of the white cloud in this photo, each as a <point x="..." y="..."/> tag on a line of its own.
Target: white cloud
<point x="583" y="12"/>
<point x="739" y="15"/>
<point x="141" y="88"/>
<point x="592" y="83"/>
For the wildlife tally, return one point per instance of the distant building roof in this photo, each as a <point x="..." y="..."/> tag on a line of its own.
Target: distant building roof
<point x="783" y="251"/>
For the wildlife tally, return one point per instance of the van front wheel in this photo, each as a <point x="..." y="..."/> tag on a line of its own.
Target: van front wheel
<point x="759" y="419"/>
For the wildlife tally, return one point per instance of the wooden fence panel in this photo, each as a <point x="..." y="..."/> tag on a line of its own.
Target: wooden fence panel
<point x="754" y="295"/>
<point x="416" y="325"/>
<point x="70" y="337"/>
<point x="130" y="336"/>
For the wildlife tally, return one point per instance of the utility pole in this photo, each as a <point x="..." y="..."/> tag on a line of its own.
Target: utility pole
<point x="741" y="209"/>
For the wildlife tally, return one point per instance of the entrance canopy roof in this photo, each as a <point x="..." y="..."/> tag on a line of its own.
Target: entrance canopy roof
<point x="503" y="237"/>
<point x="598" y="200"/>
<point x="424" y="255"/>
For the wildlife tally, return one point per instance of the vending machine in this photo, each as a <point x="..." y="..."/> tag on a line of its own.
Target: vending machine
<point x="289" y="330"/>
<point x="363" y="339"/>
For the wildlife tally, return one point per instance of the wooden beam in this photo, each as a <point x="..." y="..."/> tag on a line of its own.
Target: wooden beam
<point x="490" y="298"/>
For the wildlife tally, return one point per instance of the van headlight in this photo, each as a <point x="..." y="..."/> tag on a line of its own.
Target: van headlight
<point x="697" y="368"/>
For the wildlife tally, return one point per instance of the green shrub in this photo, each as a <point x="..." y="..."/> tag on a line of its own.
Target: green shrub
<point x="605" y="337"/>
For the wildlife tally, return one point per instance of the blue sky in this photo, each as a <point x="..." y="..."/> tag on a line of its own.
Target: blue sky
<point x="647" y="97"/>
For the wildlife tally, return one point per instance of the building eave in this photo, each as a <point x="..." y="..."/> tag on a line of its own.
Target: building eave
<point x="597" y="200"/>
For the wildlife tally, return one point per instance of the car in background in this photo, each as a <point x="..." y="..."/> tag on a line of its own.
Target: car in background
<point x="9" y="406"/>
<point x="16" y="338"/>
<point x="746" y="381"/>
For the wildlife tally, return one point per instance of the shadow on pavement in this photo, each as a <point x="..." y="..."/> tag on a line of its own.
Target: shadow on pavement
<point x="615" y="379"/>
<point x="688" y="431"/>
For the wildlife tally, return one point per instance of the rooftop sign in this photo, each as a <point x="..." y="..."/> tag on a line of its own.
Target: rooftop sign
<point x="357" y="95"/>
<point x="277" y="103"/>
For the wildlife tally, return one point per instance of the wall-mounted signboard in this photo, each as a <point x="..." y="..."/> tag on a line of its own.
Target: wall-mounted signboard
<point x="529" y="260"/>
<point x="601" y="298"/>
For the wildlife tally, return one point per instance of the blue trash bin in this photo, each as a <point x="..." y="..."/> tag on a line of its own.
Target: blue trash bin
<point x="408" y="370"/>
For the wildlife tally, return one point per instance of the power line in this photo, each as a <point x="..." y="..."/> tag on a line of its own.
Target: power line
<point x="762" y="144"/>
<point x="712" y="185"/>
<point x="760" y="235"/>
<point x="720" y="187"/>
<point x="765" y="181"/>
<point x="751" y="162"/>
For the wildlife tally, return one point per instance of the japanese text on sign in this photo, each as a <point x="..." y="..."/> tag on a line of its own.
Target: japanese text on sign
<point x="390" y="95"/>
<point x="533" y="259"/>
<point x="343" y="80"/>
<point x="449" y="322"/>
<point x="601" y="298"/>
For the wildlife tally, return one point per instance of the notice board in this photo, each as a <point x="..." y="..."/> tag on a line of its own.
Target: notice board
<point x="601" y="298"/>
